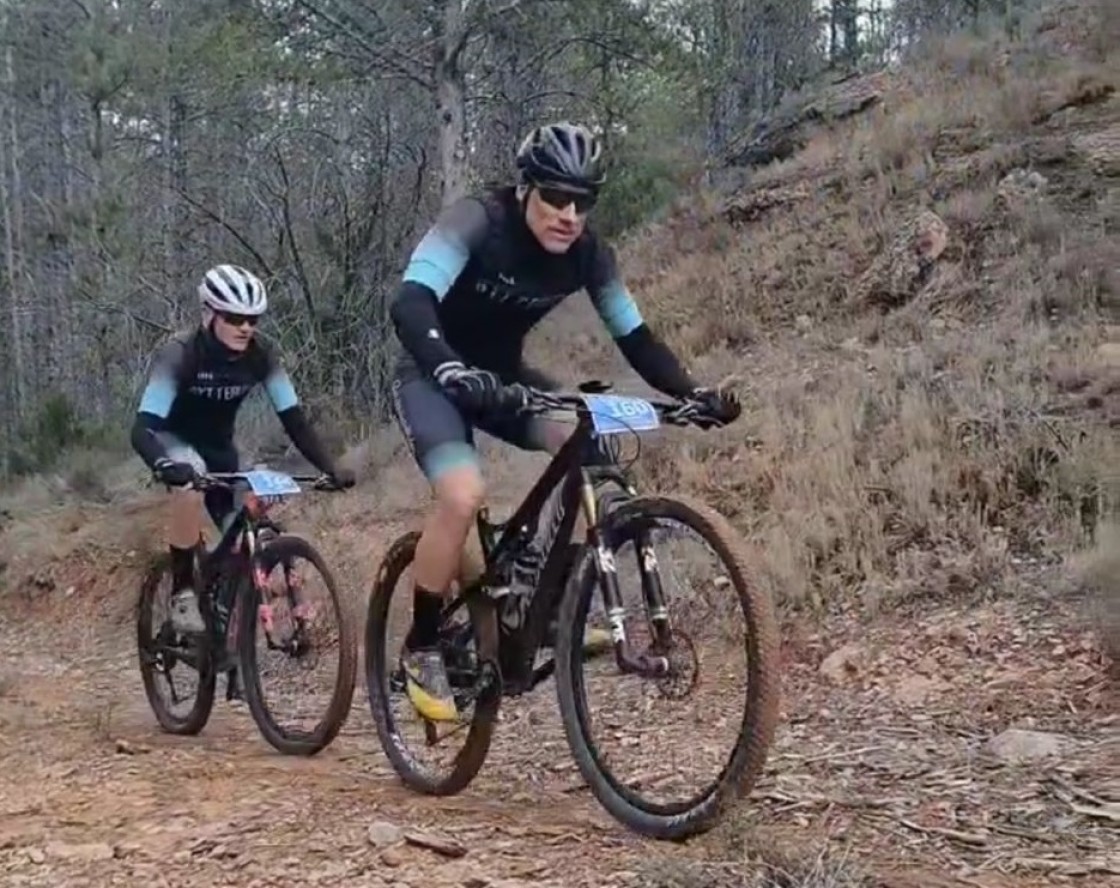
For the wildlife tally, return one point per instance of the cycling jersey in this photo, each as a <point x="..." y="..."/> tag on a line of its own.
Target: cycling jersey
<point x="195" y="389"/>
<point x="479" y="281"/>
<point x="474" y="287"/>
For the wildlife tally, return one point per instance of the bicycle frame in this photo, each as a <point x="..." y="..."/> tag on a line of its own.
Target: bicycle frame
<point x="566" y="470"/>
<point x="249" y="518"/>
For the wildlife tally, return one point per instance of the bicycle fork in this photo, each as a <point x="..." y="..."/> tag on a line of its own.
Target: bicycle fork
<point x="629" y="662"/>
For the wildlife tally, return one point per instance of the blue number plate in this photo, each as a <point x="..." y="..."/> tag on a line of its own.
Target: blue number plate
<point x="616" y="415"/>
<point x="266" y="482"/>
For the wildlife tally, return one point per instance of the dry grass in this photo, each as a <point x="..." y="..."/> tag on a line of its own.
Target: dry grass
<point x="1100" y="573"/>
<point x="921" y="450"/>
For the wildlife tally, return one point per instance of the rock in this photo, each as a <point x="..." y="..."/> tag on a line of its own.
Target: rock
<point x="87" y="852"/>
<point x="913" y="690"/>
<point x="1101" y="150"/>
<point x="392" y="857"/>
<point x="1108" y="353"/>
<point x="748" y="204"/>
<point x="843" y="663"/>
<point x="1021" y="187"/>
<point x="381" y="834"/>
<point x="36" y="855"/>
<point x="784" y="133"/>
<point x="444" y="845"/>
<point x="125" y="747"/>
<point x="803" y="323"/>
<point x="1015" y="746"/>
<point x="898" y="273"/>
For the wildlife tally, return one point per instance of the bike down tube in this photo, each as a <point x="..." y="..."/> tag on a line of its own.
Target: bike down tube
<point x="525" y="519"/>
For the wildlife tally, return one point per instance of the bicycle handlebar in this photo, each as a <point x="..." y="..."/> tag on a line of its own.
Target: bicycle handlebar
<point x="229" y="479"/>
<point x="679" y="413"/>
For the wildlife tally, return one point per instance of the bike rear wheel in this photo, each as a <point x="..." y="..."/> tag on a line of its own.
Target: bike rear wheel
<point x="626" y="523"/>
<point x="379" y="674"/>
<point x="282" y="551"/>
<point x="159" y="657"/>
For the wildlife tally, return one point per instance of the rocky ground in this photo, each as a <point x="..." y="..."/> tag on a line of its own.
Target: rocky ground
<point x="976" y="744"/>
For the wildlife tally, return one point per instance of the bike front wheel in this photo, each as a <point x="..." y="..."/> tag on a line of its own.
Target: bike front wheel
<point x="292" y="627"/>
<point x="729" y="590"/>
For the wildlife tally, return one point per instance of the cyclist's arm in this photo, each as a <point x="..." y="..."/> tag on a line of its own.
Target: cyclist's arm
<point x="437" y="261"/>
<point x="156" y="401"/>
<point x="643" y="350"/>
<point x="282" y="395"/>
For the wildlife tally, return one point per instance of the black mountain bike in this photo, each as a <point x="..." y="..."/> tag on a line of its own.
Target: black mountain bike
<point x="487" y="660"/>
<point x="233" y="581"/>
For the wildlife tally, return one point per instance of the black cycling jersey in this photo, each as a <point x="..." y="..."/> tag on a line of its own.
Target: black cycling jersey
<point x="196" y="386"/>
<point x="475" y="286"/>
<point x="479" y="281"/>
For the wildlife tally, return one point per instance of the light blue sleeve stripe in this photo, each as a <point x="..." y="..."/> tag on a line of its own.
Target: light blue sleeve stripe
<point x="158" y="396"/>
<point x="617" y="309"/>
<point x="280" y="390"/>
<point x="436" y="262"/>
<point x="444" y="458"/>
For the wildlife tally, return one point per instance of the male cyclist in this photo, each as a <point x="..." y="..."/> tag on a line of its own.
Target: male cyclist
<point x="184" y="424"/>
<point x="486" y="272"/>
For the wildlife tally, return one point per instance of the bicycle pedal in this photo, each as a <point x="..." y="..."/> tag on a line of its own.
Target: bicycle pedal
<point x="397" y="683"/>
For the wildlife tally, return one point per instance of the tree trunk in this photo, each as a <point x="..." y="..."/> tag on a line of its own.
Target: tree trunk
<point x="13" y="227"/>
<point x="451" y="104"/>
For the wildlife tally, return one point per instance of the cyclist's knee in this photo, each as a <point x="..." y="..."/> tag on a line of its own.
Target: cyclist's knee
<point x="185" y="500"/>
<point x="459" y="494"/>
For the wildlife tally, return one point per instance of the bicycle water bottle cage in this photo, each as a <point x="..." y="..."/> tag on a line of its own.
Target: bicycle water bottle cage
<point x="595" y="386"/>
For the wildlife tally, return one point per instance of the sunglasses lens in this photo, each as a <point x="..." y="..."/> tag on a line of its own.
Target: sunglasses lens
<point x="559" y="199"/>
<point x="235" y="320"/>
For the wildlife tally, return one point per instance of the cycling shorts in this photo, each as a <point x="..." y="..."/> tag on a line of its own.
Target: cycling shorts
<point x="218" y="500"/>
<point x="440" y="437"/>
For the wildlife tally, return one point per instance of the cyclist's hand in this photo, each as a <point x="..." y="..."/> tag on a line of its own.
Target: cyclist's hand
<point x="715" y="407"/>
<point x="471" y="387"/>
<point x="174" y="474"/>
<point x="341" y="478"/>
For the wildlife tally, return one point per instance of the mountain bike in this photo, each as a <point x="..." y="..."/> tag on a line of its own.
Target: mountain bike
<point x="488" y="656"/>
<point x="233" y="581"/>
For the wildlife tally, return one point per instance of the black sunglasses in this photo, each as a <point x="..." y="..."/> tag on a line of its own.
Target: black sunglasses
<point x="236" y="320"/>
<point x="559" y="198"/>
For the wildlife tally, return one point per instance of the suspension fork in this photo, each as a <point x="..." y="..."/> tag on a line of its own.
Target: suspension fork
<point x="628" y="662"/>
<point x="652" y="591"/>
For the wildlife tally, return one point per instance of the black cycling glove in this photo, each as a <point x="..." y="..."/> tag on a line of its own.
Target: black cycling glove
<point x="716" y="407"/>
<point x="475" y="389"/>
<point x="174" y="474"/>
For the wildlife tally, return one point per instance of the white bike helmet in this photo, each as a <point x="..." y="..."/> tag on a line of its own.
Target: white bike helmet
<point x="230" y="288"/>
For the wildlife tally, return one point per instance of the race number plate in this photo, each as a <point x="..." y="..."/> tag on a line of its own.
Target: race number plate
<point x="616" y="415"/>
<point x="267" y="482"/>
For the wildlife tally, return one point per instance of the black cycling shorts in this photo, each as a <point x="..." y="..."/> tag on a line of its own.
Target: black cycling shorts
<point x="218" y="500"/>
<point x="439" y="436"/>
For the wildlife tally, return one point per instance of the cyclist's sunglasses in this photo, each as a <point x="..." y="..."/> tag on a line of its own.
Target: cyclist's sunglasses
<point x="236" y="320"/>
<point x="559" y="198"/>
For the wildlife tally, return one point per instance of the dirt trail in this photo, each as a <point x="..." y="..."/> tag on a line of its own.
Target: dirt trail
<point x="881" y="759"/>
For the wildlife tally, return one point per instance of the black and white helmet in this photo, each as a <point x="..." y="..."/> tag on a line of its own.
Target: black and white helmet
<point x="564" y="154"/>
<point x="230" y="288"/>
